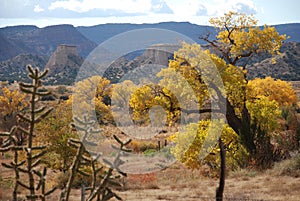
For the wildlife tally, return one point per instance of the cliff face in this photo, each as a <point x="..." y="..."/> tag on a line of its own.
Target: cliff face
<point x="60" y="57"/>
<point x="64" y="64"/>
<point x="160" y="54"/>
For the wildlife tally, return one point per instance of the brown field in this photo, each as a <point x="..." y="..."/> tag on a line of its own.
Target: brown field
<point x="178" y="183"/>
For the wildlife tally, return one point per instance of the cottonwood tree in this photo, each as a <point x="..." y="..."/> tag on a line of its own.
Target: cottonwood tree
<point x="12" y="102"/>
<point x="240" y="37"/>
<point x="94" y="94"/>
<point x="238" y="40"/>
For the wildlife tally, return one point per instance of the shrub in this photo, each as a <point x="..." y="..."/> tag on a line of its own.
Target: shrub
<point x="289" y="167"/>
<point x="150" y="152"/>
<point x="141" y="146"/>
<point x="61" y="89"/>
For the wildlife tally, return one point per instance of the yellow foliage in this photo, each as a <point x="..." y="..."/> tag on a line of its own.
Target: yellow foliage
<point x="264" y="113"/>
<point x="122" y="92"/>
<point x="90" y="96"/>
<point x="280" y="91"/>
<point x="12" y="101"/>
<point x="198" y="68"/>
<point x="148" y="96"/>
<point x="239" y="36"/>
<point x="188" y="145"/>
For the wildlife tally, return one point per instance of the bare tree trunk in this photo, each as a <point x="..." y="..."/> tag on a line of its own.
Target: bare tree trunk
<point x="220" y="189"/>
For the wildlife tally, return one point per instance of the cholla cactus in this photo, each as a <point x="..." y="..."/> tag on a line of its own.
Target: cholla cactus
<point x="10" y="143"/>
<point x="30" y="165"/>
<point x="98" y="189"/>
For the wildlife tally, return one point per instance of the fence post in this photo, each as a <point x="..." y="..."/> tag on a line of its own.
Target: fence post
<point x="82" y="192"/>
<point x="158" y="143"/>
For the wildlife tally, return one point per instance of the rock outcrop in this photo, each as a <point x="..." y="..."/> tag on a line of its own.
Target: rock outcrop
<point x="64" y="64"/>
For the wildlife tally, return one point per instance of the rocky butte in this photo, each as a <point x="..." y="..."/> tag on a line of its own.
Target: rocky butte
<point x="64" y="64"/>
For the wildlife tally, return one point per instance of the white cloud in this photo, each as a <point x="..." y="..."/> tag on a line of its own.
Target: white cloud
<point x="180" y="9"/>
<point x="210" y="7"/>
<point x="38" y="9"/>
<point x="185" y="8"/>
<point x="219" y="7"/>
<point x="160" y="6"/>
<point x="127" y="6"/>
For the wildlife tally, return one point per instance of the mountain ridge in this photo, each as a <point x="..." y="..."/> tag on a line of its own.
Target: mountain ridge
<point x="24" y="44"/>
<point x="43" y="41"/>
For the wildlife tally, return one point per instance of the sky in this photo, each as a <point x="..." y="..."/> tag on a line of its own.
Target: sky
<point x="92" y="12"/>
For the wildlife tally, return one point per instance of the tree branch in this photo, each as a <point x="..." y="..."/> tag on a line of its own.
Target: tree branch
<point x="219" y="49"/>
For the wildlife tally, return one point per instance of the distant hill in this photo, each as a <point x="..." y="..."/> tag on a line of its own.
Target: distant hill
<point x="22" y="45"/>
<point x="43" y="41"/>
<point x="287" y="66"/>
<point x="8" y="48"/>
<point x="292" y="30"/>
<point x="15" y="68"/>
<point x="63" y="66"/>
<point x="102" y="32"/>
<point x="144" y="65"/>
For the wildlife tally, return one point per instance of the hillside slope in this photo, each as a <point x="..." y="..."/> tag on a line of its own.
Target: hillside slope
<point x="15" y="68"/>
<point x="287" y="66"/>
<point x="44" y="41"/>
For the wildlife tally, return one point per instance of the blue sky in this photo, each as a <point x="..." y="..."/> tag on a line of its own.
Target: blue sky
<point x="92" y="12"/>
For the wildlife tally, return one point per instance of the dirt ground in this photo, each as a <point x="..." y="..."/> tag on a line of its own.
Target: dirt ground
<point x="178" y="183"/>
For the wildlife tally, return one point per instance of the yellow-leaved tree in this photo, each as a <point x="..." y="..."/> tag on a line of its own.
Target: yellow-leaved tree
<point x="280" y="91"/>
<point x="92" y="95"/>
<point x="147" y="96"/>
<point x="240" y="37"/>
<point x="238" y="40"/>
<point x="188" y="146"/>
<point x="11" y="102"/>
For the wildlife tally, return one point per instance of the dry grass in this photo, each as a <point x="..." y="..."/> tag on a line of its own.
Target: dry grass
<point x="178" y="183"/>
